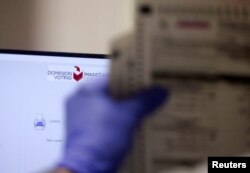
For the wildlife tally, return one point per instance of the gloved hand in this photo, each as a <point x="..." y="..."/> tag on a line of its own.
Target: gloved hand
<point x="100" y="128"/>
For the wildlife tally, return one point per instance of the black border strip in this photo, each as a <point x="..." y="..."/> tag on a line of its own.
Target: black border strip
<point x="48" y="53"/>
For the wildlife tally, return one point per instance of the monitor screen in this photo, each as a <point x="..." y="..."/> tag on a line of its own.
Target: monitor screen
<point x="33" y="89"/>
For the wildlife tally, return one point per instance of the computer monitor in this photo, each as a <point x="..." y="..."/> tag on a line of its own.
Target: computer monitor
<point x="33" y="90"/>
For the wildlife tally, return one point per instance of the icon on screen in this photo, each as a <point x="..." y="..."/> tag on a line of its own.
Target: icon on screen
<point x="40" y="122"/>
<point x="78" y="74"/>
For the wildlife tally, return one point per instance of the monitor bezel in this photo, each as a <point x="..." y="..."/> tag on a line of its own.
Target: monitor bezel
<point x="54" y="54"/>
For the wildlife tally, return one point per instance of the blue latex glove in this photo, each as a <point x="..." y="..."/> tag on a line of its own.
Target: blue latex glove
<point x="100" y="128"/>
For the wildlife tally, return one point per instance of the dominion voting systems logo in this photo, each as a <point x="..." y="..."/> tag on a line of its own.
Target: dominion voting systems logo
<point x="65" y="73"/>
<point x="72" y="73"/>
<point x="78" y="74"/>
